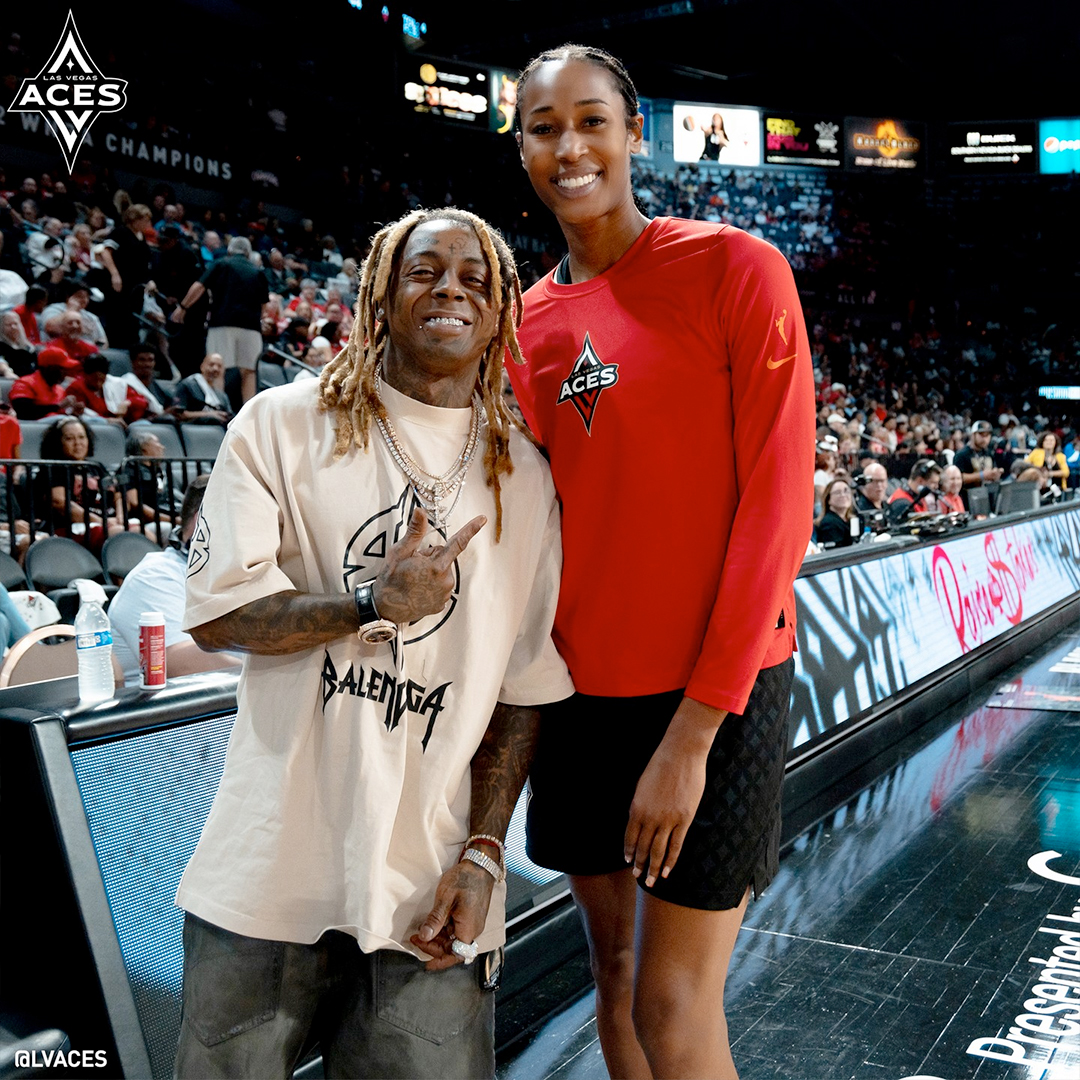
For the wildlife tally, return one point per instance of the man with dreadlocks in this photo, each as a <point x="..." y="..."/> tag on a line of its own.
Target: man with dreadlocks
<point x="396" y="650"/>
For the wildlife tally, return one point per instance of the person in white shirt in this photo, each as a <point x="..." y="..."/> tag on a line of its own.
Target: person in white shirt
<point x="397" y="643"/>
<point x="157" y="584"/>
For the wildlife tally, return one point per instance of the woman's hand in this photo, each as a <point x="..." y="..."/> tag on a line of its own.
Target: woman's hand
<point x="670" y="790"/>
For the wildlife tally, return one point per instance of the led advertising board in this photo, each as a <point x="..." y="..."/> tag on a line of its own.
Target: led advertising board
<point x="720" y="134"/>
<point x="867" y="631"/>
<point x="980" y="147"/>
<point x="1059" y="146"/>
<point x="802" y="139"/>
<point x="503" y="97"/>
<point x="455" y="92"/>
<point x="883" y="143"/>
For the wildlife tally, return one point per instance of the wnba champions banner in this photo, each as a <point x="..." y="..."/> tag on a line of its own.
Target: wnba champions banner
<point x="868" y="631"/>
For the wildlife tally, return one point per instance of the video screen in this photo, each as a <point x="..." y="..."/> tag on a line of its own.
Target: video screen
<point x="802" y="139"/>
<point x="503" y="97"/>
<point x="883" y="143"/>
<point x="447" y="89"/>
<point x="1059" y="146"/>
<point x="979" y="147"/>
<point x="720" y="134"/>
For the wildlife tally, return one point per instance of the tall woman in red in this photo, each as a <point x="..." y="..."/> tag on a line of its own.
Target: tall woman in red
<point x="658" y="352"/>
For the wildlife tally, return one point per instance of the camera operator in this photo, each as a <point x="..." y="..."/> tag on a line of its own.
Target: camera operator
<point x="918" y="494"/>
<point x="870" y="488"/>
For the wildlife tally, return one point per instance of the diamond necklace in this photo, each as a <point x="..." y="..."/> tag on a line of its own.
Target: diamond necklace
<point x="431" y="491"/>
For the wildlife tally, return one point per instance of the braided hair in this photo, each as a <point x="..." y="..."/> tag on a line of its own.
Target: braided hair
<point x="347" y="383"/>
<point x="589" y="54"/>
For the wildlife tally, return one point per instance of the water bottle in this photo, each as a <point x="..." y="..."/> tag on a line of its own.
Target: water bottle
<point x="93" y="640"/>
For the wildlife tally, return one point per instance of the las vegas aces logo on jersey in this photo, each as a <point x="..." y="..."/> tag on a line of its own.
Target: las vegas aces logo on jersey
<point x="588" y="379"/>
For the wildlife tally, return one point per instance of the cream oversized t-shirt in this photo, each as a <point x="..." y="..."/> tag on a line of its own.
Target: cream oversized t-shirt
<point x="346" y="788"/>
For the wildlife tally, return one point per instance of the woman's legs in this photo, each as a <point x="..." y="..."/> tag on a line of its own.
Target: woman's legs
<point x="607" y="903"/>
<point x="682" y="962"/>
<point x="660" y="971"/>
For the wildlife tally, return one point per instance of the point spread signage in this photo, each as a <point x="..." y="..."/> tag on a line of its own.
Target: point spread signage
<point x="1059" y="146"/>
<point x="803" y="140"/>
<point x="980" y="147"/>
<point x="886" y="143"/>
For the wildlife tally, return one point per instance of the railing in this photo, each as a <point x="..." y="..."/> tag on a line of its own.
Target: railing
<point x="85" y="501"/>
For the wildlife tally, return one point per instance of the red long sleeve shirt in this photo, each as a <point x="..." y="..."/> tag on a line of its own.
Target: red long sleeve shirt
<point x="674" y="394"/>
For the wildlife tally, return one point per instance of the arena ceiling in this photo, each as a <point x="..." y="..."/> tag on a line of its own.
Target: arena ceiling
<point x="923" y="58"/>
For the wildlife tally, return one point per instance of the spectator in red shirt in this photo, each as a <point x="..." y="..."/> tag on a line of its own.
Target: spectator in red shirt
<point x="308" y="292"/>
<point x="106" y="395"/>
<point x="949" y="500"/>
<point x="70" y="340"/>
<point x="29" y="310"/>
<point x="10" y="436"/>
<point x="40" y="393"/>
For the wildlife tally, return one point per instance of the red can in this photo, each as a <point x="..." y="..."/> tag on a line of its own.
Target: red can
<point x="152" y="650"/>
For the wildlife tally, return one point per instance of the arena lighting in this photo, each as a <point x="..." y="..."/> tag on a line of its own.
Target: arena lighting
<point x="1060" y="393"/>
<point x="411" y="27"/>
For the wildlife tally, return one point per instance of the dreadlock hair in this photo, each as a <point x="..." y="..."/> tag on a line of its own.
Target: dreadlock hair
<point x="347" y="383"/>
<point x="614" y="67"/>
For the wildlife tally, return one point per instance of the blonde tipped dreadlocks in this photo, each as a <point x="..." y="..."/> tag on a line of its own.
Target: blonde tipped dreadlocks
<point x="347" y="383"/>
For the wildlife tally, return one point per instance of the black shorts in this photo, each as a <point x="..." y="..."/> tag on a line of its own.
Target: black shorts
<point x="592" y="751"/>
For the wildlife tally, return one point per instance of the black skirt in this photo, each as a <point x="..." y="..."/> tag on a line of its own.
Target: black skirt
<point x="593" y="750"/>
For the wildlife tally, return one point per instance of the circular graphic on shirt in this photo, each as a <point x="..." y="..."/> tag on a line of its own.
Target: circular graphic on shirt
<point x="366" y="552"/>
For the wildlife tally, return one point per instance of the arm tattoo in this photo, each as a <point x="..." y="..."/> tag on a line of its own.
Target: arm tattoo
<point x="280" y="624"/>
<point x="500" y="766"/>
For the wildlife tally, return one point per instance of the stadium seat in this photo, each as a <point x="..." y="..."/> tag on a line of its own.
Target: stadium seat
<point x="119" y="361"/>
<point x="12" y="575"/>
<point x="53" y="562"/>
<point x="108" y="445"/>
<point x="169" y="436"/>
<point x="120" y="554"/>
<point x="32" y="431"/>
<point x="269" y="374"/>
<point x="202" y="440"/>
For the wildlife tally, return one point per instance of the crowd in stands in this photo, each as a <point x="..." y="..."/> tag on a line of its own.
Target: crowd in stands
<point x="791" y="209"/>
<point x="91" y="281"/>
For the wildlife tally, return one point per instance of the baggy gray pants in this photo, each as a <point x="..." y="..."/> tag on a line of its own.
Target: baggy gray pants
<point x="251" y="1008"/>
